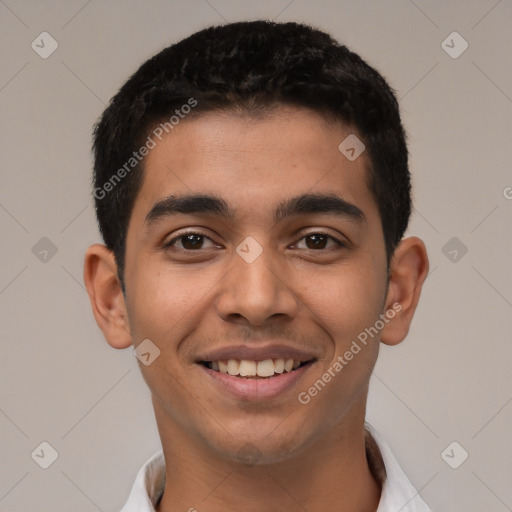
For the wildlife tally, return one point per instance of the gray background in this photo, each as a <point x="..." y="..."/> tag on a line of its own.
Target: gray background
<point x="59" y="380"/>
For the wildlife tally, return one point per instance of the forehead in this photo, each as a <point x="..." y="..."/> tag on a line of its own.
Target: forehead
<point x="254" y="162"/>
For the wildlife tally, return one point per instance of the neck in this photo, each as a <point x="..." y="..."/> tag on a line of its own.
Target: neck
<point x="330" y="474"/>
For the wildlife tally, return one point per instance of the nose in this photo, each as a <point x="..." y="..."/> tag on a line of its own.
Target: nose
<point x="256" y="293"/>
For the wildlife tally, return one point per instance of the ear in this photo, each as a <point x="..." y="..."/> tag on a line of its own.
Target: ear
<point x="106" y="296"/>
<point x="408" y="270"/>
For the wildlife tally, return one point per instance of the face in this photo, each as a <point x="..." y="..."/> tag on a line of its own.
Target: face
<point x="253" y="243"/>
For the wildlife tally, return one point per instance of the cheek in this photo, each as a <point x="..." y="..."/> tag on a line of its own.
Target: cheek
<point x="347" y="302"/>
<point x="165" y="303"/>
<point x="348" y="307"/>
<point x="164" y="307"/>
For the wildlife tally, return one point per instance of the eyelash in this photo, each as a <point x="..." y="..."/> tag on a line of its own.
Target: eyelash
<point x="171" y="242"/>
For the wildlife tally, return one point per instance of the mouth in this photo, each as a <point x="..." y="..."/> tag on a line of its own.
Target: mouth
<point x="250" y="369"/>
<point x="257" y="373"/>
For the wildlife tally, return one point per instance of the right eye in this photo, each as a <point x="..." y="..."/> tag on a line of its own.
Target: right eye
<point x="190" y="241"/>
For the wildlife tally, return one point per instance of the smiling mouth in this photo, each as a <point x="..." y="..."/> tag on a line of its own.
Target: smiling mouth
<point x="247" y="369"/>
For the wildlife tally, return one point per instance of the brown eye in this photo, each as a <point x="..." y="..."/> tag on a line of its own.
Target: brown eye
<point x="318" y="241"/>
<point x="189" y="242"/>
<point x="192" y="241"/>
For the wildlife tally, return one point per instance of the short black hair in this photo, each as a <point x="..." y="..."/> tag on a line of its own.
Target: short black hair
<point x="250" y="67"/>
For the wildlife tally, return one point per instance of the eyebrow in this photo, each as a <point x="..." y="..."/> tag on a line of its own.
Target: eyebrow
<point x="300" y="205"/>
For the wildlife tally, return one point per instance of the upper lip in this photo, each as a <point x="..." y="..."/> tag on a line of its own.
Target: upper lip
<point x="260" y="353"/>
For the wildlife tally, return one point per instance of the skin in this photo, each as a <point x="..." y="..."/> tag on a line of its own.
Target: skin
<point x="304" y="457"/>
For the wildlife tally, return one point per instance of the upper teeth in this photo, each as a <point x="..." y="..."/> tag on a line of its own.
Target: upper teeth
<point x="246" y="368"/>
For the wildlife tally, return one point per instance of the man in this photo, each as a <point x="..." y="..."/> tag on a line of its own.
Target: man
<point x="252" y="190"/>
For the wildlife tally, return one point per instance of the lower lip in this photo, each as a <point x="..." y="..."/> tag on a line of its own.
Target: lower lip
<point x="260" y="388"/>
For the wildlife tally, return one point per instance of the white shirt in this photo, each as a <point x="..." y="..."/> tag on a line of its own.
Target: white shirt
<point x="398" y="494"/>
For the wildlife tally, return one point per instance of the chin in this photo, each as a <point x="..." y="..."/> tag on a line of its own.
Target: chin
<point x="258" y="449"/>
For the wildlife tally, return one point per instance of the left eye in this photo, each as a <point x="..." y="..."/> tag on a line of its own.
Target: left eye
<point x="317" y="241"/>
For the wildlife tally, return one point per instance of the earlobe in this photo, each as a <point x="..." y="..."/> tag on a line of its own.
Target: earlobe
<point x="408" y="271"/>
<point x="106" y="296"/>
